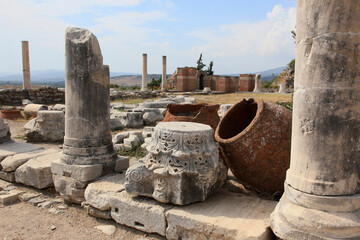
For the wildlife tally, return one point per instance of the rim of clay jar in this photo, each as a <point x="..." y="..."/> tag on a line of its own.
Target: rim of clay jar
<point x="254" y="121"/>
<point x="195" y="105"/>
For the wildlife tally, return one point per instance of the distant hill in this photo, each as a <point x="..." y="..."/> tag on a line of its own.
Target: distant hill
<point x="57" y="78"/>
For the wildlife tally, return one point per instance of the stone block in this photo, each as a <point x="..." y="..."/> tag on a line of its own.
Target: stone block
<point x="9" y="197"/>
<point x="70" y="189"/>
<point x="119" y="138"/>
<point x="122" y="163"/>
<point x="98" y="193"/>
<point x="147" y="132"/>
<point x="37" y="171"/>
<point x="83" y="173"/>
<point x="12" y="148"/>
<point x="31" y="110"/>
<point x="4" y="184"/>
<point x="223" y="216"/>
<point x="132" y="141"/>
<point x="141" y="213"/>
<point x="115" y="123"/>
<point x="94" y="212"/>
<point x="11" y="163"/>
<point x="7" y="176"/>
<point x="157" y="104"/>
<point x="151" y="118"/>
<point x="129" y="119"/>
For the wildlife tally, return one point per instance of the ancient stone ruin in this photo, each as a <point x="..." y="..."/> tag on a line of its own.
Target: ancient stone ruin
<point x="182" y="165"/>
<point x="321" y="199"/>
<point x="88" y="151"/>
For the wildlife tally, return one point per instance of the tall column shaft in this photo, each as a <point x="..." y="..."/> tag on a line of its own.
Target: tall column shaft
<point x="324" y="174"/>
<point x="163" y="78"/>
<point x="87" y="151"/>
<point x="144" y="73"/>
<point x="26" y="65"/>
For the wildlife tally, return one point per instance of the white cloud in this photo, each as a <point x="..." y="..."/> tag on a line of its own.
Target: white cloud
<point x="268" y="40"/>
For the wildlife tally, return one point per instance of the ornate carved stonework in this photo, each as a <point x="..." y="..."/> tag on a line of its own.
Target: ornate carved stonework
<point x="182" y="165"/>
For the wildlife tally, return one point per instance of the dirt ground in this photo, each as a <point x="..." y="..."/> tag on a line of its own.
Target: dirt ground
<point x="25" y="221"/>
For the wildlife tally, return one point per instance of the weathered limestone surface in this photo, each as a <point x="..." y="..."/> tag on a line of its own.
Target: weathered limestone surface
<point x="223" y="216"/>
<point x="322" y="191"/>
<point x="4" y="132"/>
<point x="9" y="197"/>
<point x="98" y="193"/>
<point x="11" y="163"/>
<point x="182" y="165"/>
<point x="129" y="119"/>
<point x="257" y="88"/>
<point x="141" y="213"/>
<point x="12" y="148"/>
<point x="87" y="138"/>
<point x="37" y="171"/>
<point x="49" y="126"/>
<point x="31" y="110"/>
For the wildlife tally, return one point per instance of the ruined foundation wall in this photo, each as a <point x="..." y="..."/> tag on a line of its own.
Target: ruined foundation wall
<point x="45" y="95"/>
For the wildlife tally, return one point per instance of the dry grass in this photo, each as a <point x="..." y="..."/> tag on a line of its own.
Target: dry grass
<point x="237" y="97"/>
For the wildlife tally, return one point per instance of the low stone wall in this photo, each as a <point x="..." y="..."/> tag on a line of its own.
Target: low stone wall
<point x="44" y="95"/>
<point x="114" y="94"/>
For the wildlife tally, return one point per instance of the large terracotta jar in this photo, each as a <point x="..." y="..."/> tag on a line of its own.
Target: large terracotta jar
<point x="256" y="138"/>
<point x="205" y="113"/>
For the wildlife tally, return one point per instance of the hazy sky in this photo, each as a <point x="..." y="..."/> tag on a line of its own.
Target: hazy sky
<point x="240" y="36"/>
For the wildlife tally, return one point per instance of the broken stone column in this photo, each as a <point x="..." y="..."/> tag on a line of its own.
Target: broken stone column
<point x="163" y="78"/>
<point x="144" y="74"/>
<point x="257" y="88"/>
<point x="4" y="132"/>
<point x="87" y="151"/>
<point x="182" y="166"/>
<point x="282" y="88"/>
<point x="322" y="190"/>
<point x="26" y="65"/>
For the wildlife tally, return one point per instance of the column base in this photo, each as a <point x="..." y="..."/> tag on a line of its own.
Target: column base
<point x="293" y="221"/>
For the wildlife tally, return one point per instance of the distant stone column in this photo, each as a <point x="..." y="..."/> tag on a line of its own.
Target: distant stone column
<point x="282" y="88"/>
<point x="26" y="65"/>
<point x="87" y="151"/>
<point x="163" y="78"/>
<point x="257" y="88"/>
<point x="322" y="190"/>
<point x="144" y="74"/>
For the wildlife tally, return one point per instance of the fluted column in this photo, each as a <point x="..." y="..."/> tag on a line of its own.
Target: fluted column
<point x="322" y="190"/>
<point x="26" y="65"/>
<point x="144" y="73"/>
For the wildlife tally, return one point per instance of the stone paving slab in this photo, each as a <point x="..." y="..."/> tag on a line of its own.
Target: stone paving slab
<point x="37" y="171"/>
<point x="12" y="148"/>
<point x="142" y="213"/>
<point x="9" y="197"/>
<point x="98" y="193"/>
<point x="225" y="215"/>
<point x="9" y="177"/>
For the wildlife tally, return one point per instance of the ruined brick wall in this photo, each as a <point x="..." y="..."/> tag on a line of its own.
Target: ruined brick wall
<point x="186" y="79"/>
<point x="44" y="95"/>
<point x="247" y="82"/>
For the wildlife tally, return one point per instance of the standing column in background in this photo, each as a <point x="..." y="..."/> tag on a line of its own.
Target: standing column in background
<point x="163" y="78"/>
<point x="144" y="74"/>
<point x="322" y="190"/>
<point x="26" y="65"/>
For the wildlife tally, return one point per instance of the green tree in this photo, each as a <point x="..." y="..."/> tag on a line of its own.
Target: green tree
<point x="209" y="71"/>
<point x="291" y="65"/>
<point x="154" y="84"/>
<point x="200" y="64"/>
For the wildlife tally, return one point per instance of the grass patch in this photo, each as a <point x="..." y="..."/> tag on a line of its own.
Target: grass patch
<point x="23" y="137"/>
<point x="135" y="152"/>
<point x="119" y="128"/>
<point x="288" y="105"/>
